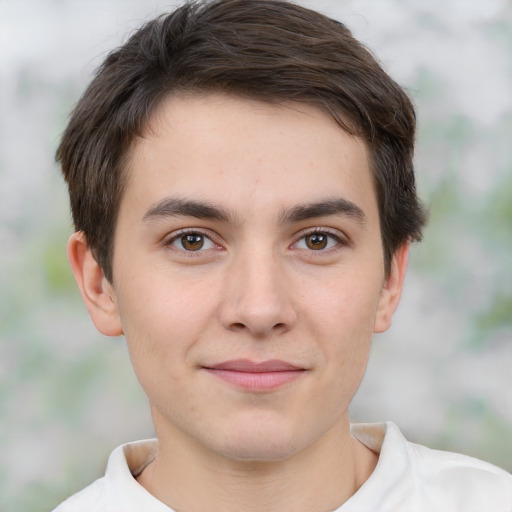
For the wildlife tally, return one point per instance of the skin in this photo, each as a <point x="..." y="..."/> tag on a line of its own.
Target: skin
<point x="283" y="262"/>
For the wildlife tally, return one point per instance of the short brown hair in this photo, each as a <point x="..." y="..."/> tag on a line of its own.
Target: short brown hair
<point x="266" y="49"/>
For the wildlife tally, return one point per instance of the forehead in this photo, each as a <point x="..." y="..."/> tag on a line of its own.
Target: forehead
<point x="245" y="152"/>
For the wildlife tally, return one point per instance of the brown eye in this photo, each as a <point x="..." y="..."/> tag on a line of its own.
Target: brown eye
<point x="317" y="241"/>
<point x="192" y="242"/>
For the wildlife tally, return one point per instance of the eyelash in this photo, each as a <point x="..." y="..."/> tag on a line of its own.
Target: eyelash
<point x="339" y="241"/>
<point x="191" y="231"/>
<point x="334" y="235"/>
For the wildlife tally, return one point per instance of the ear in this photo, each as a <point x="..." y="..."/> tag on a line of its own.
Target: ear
<point x="392" y="289"/>
<point x="97" y="293"/>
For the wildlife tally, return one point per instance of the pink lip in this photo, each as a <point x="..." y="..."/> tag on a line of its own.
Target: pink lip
<point x="263" y="376"/>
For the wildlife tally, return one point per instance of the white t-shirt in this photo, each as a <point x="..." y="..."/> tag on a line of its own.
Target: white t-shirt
<point x="408" y="478"/>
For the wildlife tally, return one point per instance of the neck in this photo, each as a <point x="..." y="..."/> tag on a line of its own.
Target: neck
<point x="320" y="478"/>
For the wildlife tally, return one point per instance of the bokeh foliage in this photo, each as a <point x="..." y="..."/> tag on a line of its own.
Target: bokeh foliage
<point x="68" y="396"/>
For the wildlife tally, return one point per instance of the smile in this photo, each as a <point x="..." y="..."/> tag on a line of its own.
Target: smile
<point x="264" y="376"/>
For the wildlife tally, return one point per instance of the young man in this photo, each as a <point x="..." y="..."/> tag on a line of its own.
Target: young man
<point x="241" y="181"/>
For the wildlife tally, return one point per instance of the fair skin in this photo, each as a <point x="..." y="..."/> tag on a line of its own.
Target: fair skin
<point x="248" y="281"/>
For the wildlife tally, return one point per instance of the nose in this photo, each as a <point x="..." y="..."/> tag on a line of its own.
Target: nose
<point x="257" y="297"/>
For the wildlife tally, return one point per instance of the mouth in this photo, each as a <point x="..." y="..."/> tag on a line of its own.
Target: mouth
<point x="253" y="376"/>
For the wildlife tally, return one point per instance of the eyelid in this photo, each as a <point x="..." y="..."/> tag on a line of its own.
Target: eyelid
<point x="339" y="236"/>
<point x="175" y="235"/>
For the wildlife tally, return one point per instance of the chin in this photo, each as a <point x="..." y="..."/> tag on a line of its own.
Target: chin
<point x="259" y="443"/>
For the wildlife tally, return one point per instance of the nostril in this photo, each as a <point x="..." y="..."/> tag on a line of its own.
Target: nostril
<point x="240" y="326"/>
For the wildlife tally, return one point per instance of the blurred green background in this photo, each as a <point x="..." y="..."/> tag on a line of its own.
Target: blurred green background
<point x="443" y="371"/>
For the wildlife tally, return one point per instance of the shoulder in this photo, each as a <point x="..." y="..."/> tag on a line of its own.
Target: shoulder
<point x="90" y="499"/>
<point x="119" y="489"/>
<point x="409" y="476"/>
<point x="470" y="484"/>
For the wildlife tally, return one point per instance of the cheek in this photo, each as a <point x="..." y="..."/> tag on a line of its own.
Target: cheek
<point x="162" y="321"/>
<point x="343" y="302"/>
<point x="341" y="318"/>
<point x="159" y="300"/>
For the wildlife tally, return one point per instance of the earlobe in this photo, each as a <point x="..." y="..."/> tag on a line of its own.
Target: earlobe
<point x="392" y="290"/>
<point x="97" y="293"/>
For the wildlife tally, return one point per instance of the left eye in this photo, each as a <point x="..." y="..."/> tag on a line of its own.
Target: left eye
<point x="317" y="241"/>
<point x="192" y="242"/>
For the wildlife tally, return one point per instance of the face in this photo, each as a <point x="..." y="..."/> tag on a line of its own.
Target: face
<point x="248" y="274"/>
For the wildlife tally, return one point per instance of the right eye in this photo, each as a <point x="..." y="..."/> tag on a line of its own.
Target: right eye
<point x="191" y="241"/>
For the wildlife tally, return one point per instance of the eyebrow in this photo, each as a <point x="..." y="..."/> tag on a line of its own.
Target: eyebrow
<point x="332" y="206"/>
<point x="173" y="207"/>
